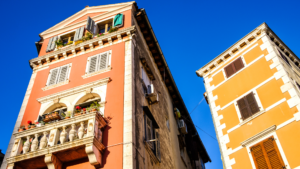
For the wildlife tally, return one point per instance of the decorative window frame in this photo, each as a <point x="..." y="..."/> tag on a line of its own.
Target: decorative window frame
<point x="261" y="108"/>
<point x="58" y="37"/>
<point x="87" y="75"/>
<point x="223" y="69"/>
<point x="61" y="83"/>
<point x="271" y="131"/>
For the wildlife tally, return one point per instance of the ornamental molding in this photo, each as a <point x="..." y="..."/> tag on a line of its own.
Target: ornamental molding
<point x="96" y="73"/>
<point x="258" y="136"/>
<point x="109" y="10"/>
<point x="56" y="148"/>
<point x="74" y="90"/>
<point x="55" y="85"/>
<point x="233" y="50"/>
<point x="59" y="124"/>
<point x="44" y="60"/>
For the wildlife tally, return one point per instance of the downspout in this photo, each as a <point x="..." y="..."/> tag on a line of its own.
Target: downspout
<point x="222" y="155"/>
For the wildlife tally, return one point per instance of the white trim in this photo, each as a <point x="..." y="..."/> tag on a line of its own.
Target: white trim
<point x="234" y="150"/>
<point x="55" y="85"/>
<point x="286" y="123"/>
<point x="256" y="115"/>
<point x="245" y="66"/>
<point x="96" y="73"/>
<point x="264" y="82"/>
<point x="73" y="91"/>
<point x="257" y="136"/>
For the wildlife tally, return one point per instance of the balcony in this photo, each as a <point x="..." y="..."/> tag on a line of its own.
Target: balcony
<point x="63" y="141"/>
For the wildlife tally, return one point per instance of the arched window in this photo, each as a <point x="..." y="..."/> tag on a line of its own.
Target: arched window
<point x="88" y="103"/>
<point x="55" y="112"/>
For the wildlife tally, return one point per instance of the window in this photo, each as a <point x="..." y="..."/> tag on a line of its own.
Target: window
<point x="266" y="155"/>
<point x="145" y="78"/>
<point x="98" y="62"/>
<point x="248" y="106"/>
<point x="67" y="39"/>
<point x="233" y="67"/>
<point x="152" y="136"/>
<point x="59" y="75"/>
<point x="104" y="26"/>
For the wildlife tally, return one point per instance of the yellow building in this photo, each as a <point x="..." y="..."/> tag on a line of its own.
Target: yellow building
<point x="253" y="92"/>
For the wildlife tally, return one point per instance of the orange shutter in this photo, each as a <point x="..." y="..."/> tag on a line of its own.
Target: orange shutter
<point x="273" y="154"/>
<point x="266" y="155"/>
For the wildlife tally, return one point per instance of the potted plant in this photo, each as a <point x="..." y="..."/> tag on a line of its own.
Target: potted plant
<point x="100" y="34"/>
<point x="33" y="125"/>
<point x="29" y="124"/>
<point x="89" y="36"/>
<point x="78" y="111"/>
<point x="59" y="43"/>
<point x="55" y="116"/>
<point x="84" y="111"/>
<point x="39" y="124"/>
<point x="68" y="114"/>
<point x="47" y="118"/>
<point x="77" y="42"/>
<point x="21" y="128"/>
<point x="112" y="29"/>
<point x="88" y="110"/>
<point x="70" y="43"/>
<point x="94" y="106"/>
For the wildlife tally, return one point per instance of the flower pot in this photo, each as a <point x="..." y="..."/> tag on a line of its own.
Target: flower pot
<point x="77" y="114"/>
<point x="32" y="126"/>
<point x="67" y="117"/>
<point x="20" y="130"/>
<point x="84" y="112"/>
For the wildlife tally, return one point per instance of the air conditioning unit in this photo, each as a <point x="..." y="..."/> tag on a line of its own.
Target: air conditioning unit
<point x="182" y="126"/>
<point x="152" y="96"/>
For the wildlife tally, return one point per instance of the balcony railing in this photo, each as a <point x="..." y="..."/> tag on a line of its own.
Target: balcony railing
<point x="59" y="142"/>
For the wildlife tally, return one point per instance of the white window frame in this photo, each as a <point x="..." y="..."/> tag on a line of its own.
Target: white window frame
<point x="58" y="37"/>
<point x="260" y="140"/>
<point x="260" y="106"/>
<point x="108" y="67"/>
<point x="66" y="81"/>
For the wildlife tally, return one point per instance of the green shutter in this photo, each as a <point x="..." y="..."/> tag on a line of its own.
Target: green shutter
<point x="118" y="20"/>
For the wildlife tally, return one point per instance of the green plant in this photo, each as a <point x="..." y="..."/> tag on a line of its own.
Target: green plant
<point x="59" y="43"/>
<point x="89" y="35"/>
<point x="68" y="114"/>
<point x="22" y="127"/>
<point x="113" y="29"/>
<point x="43" y="123"/>
<point x="100" y="34"/>
<point x="69" y="43"/>
<point x="95" y="105"/>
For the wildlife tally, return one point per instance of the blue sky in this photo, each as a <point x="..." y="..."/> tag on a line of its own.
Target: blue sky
<point x="190" y="33"/>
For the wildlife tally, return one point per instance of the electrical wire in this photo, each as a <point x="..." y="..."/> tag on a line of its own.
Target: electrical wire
<point x="195" y="124"/>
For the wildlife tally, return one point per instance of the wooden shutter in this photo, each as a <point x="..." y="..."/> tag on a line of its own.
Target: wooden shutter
<point x="63" y="73"/>
<point x="234" y="67"/>
<point x="90" y="26"/>
<point x="252" y="103"/>
<point x="273" y="154"/>
<point x="229" y="70"/>
<point x="53" y="43"/>
<point x="243" y="106"/>
<point x="157" y="145"/>
<point x="238" y="64"/>
<point x="53" y="76"/>
<point x="259" y="157"/>
<point x="49" y="44"/>
<point x="79" y="33"/>
<point x="103" y="60"/>
<point x="93" y="64"/>
<point x="266" y="155"/>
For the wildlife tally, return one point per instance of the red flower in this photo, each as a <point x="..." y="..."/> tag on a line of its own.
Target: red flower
<point x="29" y="122"/>
<point x="36" y="122"/>
<point x="78" y="107"/>
<point x="83" y="109"/>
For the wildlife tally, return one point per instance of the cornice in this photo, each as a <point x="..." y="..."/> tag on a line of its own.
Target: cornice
<point x="235" y="48"/>
<point x="53" y="32"/>
<point x="258" y="136"/>
<point x="74" y="90"/>
<point x="73" y="48"/>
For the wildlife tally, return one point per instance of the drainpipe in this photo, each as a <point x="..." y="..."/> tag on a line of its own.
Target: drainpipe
<point x="222" y="155"/>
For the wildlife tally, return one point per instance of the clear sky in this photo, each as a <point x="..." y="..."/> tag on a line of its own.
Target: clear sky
<point x="190" y="33"/>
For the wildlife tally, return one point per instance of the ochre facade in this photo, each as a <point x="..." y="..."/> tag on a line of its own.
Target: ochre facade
<point x="270" y="75"/>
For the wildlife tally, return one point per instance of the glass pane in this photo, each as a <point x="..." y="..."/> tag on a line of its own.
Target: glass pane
<point x="102" y="30"/>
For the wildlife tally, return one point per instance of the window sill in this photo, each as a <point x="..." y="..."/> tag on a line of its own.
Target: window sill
<point x="56" y="85"/>
<point x="96" y="73"/>
<point x="252" y="117"/>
